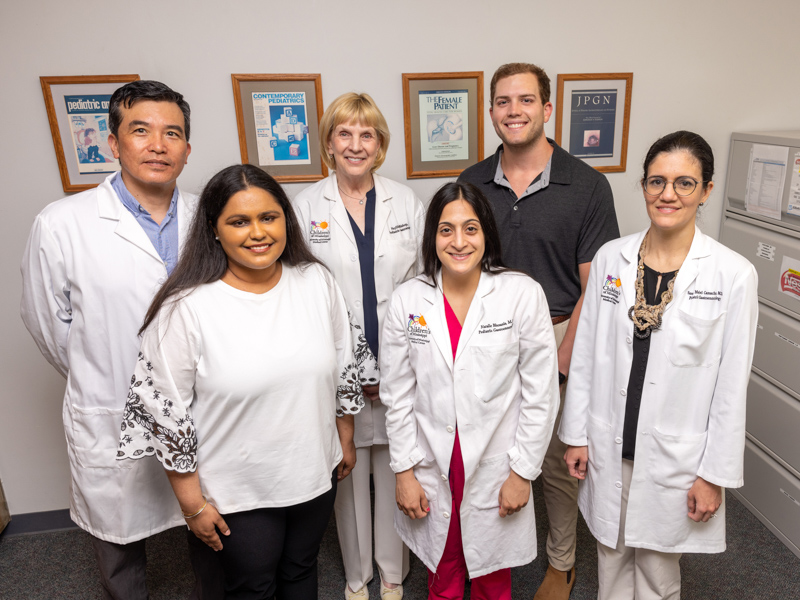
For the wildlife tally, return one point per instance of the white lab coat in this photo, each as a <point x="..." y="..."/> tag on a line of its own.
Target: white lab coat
<point x="399" y="220"/>
<point x="89" y="273"/>
<point x="692" y="415"/>
<point x="502" y="395"/>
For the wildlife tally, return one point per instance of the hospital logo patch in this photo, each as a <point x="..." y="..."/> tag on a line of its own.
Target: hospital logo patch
<point x="612" y="289"/>
<point x="418" y="332"/>
<point x="320" y="232"/>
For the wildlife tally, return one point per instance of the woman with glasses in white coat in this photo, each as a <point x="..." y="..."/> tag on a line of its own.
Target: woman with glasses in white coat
<point x="367" y="230"/>
<point x="471" y="384"/>
<point x="655" y="409"/>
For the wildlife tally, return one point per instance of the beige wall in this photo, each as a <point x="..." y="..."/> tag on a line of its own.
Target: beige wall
<point x="711" y="67"/>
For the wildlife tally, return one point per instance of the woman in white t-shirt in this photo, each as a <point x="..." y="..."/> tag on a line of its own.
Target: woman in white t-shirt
<point x="246" y="362"/>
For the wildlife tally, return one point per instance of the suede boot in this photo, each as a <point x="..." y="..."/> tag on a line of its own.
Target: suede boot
<point x="557" y="585"/>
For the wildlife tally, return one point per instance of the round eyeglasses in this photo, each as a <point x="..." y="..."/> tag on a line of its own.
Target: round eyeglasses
<point x="683" y="186"/>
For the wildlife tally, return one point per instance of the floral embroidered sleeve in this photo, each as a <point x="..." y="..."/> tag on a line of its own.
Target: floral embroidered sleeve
<point x="350" y="348"/>
<point x="157" y="420"/>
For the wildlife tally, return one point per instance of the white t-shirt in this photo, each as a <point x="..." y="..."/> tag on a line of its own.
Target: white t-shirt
<point x="245" y="388"/>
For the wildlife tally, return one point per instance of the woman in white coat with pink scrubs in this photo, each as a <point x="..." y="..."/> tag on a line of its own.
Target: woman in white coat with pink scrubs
<point x="469" y="377"/>
<point x="655" y="408"/>
<point x="367" y="230"/>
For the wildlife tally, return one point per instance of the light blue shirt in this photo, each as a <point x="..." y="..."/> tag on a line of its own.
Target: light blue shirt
<point x="164" y="237"/>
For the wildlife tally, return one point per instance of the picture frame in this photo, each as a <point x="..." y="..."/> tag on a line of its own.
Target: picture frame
<point x="77" y="110"/>
<point x="442" y="137"/>
<point x="278" y="117"/>
<point x="595" y="128"/>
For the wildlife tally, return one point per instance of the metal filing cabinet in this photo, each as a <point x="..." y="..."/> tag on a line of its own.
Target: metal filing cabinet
<point x="762" y="223"/>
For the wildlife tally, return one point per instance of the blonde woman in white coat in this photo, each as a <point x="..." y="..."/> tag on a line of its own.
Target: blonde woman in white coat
<point x="655" y="409"/>
<point x="468" y="362"/>
<point x="367" y="230"/>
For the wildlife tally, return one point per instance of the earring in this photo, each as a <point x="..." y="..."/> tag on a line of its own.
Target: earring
<point x="216" y="237"/>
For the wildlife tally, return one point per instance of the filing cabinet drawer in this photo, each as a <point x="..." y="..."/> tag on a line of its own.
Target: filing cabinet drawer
<point x="777" y="350"/>
<point x="773" y="418"/>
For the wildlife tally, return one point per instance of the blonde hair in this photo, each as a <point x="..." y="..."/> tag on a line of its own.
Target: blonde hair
<point x="353" y="108"/>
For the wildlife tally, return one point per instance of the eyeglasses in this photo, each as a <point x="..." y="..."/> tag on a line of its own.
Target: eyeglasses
<point x="683" y="186"/>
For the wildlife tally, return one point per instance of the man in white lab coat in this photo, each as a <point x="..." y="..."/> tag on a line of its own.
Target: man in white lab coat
<point x="91" y="267"/>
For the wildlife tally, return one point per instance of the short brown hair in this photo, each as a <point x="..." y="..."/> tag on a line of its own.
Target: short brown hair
<point x="357" y="108"/>
<point x="510" y="69"/>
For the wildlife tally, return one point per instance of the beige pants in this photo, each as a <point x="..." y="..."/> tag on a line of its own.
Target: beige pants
<point x="635" y="573"/>
<point x="354" y="521"/>
<point x="560" y="491"/>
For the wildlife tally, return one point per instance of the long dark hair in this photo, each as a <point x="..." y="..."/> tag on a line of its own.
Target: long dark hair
<point x="492" y="260"/>
<point x="202" y="259"/>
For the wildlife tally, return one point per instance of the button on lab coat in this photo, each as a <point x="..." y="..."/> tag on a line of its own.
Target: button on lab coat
<point x="692" y="416"/>
<point x="501" y="392"/>
<point x="399" y="220"/>
<point x="89" y="273"/>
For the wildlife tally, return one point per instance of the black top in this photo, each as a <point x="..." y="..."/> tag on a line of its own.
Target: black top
<point x="365" y="242"/>
<point x="548" y="233"/>
<point x="641" y="352"/>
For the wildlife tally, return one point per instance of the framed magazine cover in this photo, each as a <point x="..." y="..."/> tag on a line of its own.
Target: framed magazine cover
<point x="593" y="114"/>
<point x="443" y="115"/>
<point x="278" y="121"/>
<point x="77" y="109"/>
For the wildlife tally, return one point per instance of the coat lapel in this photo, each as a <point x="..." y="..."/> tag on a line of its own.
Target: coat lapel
<point x="338" y="211"/>
<point x="630" y="254"/>
<point x="437" y="322"/>
<point x="687" y="274"/>
<point x="475" y="313"/>
<point x="110" y="207"/>
<point x="383" y="209"/>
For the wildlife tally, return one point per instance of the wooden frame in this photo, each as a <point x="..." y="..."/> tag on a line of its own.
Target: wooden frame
<point x="289" y="151"/>
<point x="596" y="127"/>
<point x="79" y="105"/>
<point x="453" y="137"/>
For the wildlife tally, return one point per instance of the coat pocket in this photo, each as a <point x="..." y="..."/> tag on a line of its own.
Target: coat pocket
<point x="489" y="477"/>
<point x="675" y="459"/>
<point x="600" y="443"/>
<point x="493" y="369"/>
<point x="696" y="342"/>
<point x="95" y="436"/>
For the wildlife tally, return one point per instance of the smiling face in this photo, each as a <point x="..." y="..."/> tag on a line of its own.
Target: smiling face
<point x="517" y="112"/>
<point x="151" y="146"/>
<point x="252" y="232"/>
<point x="460" y="243"/>
<point x="669" y="212"/>
<point x="355" y="149"/>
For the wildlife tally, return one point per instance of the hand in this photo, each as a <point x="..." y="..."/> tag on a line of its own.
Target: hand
<point x="205" y="526"/>
<point x="577" y="459"/>
<point x="514" y="494"/>
<point x="704" y="500"/>
<point x="348" y="460"/>
<point x="372" y="392"/>
<point x="410" y="496"/>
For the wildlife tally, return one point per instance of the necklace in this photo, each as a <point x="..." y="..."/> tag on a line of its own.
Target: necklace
<point x="645" y="317"/>
<point x="360" y="200"/>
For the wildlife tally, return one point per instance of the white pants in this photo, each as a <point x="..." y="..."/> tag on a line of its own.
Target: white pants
<point x="636" y="573"/>
<point x="354" y="521"/>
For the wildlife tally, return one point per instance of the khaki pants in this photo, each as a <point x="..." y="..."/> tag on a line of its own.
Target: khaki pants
<point x="354" y="521"/>
<point x="560" y="491"/>
<point x="635" y="573"/>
